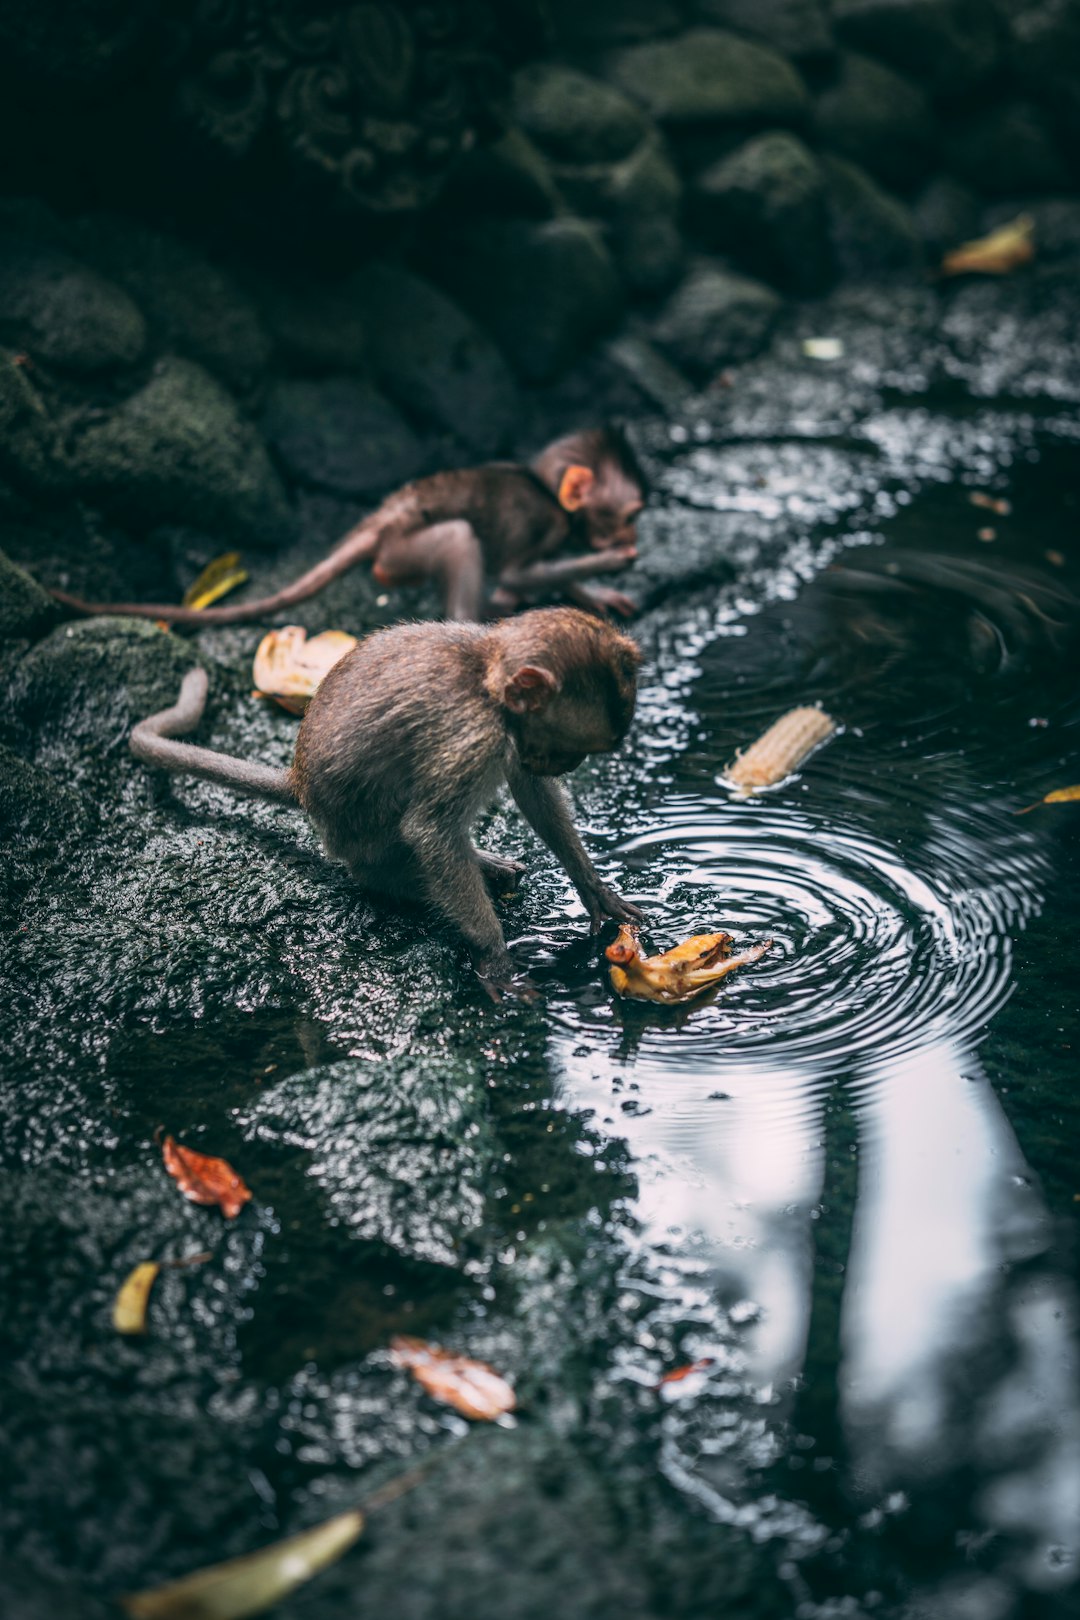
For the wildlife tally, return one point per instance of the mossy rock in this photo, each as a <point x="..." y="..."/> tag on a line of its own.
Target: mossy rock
<point x="179" y="451"/>
<point x="340" y="434"/>
<point x="26" y="611"/>
<point x="797" y="28"/>
<point x="29" y="441"/>
<point x="874" y="116"/>
<point x="63" y="313"/>
<point x="765" y="206"/>
<point x="711" y="76"/>
<point x="871" y="231"/>
<point x="575" y="118"/>
<point x="715" y="318"/>
<point x="949" y="45"/>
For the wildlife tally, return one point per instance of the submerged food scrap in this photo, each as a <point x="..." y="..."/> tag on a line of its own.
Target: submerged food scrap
<point x="781" y="750"/>
<point x="288" y="667"/>
<point x="217" y="579"/>
<point x="204" y="1179"/>
<point x="677" y="975"/>
<point x="472" y="1387"/>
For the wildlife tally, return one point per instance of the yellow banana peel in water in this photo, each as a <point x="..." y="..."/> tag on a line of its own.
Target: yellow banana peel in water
<point x="678" y="975"/>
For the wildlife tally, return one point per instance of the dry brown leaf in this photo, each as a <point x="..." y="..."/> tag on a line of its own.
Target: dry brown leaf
<point x="1003" y="250"/>
<point x="471" y="1387"/>
<point x="129" y="1309"/>
<point x="252" y="1584"/>
<point x="205" y="1180"/>
<point x="780" y="750"/>
<point x="677" y="1374"/>
<point x="678" y="975"/>
<point x="288" y="667"/>
<point x="1066" y="795"/>
<point x="217" y="579"/>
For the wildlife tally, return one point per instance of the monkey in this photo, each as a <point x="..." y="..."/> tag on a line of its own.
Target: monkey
<point x="410" y="735"/>
<point x="502" y="520"/>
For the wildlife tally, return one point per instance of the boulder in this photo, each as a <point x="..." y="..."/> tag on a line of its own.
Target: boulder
<point x="29" y="441"/>
<point x="950" y="46"/>
<point x="798" y="28"/>
<point x="715" y="318"/>
<point x="26" y="611"/>
<point x="544" y="291"/>
<point x="39" y="816"/>
<point x="506" y="176"/>
<point x="1043" y="50"/>
<point x="179" y="451"/>
<point x="640" y="201"/>
<point x="63" y="313"/>
<point x="765" y="206"/>
<point x="193" y="307"/>
<point x="433" y="359"/>
<point x="945" y="214"/>
<point x="612" y="22"/>
<point x="315" y="325"/>
<point x="711" y="76"/>
<point x="340" y="434"/>
<point x="1005" y="150"/>
<point x="870" y="230"/>
<point x="575" y="118"/>
<point x="872" y="115"/>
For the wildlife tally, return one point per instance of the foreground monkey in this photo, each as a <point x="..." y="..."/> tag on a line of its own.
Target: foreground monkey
<point x="410" y="735"/>
<point x="504" y="521"/>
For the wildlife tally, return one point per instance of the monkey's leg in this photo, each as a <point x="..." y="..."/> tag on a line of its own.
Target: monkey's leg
<point x="448" y="552"/>
<point x="454" y="883"/>
<point x="544" y="805"/>
<point x="559" y="573"/>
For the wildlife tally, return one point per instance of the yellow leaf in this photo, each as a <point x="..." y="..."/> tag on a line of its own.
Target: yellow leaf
<point x="217" y="579"/>
<point x="129" y="1310"/>
<point x="288" y="667"/>
<point x="1003" y="250"/>
<point x="249" y="1585"/>
<point x="1069" y="795"/>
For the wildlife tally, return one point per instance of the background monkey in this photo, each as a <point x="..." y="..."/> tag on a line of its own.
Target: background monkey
<point x="504" y="521"/>
<point x="410" y="735"/>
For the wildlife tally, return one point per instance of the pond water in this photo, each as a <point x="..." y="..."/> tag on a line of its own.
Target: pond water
<point x="845" y="1184"/>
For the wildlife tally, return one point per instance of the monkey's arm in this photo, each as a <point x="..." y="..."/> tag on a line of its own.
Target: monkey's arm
<point x="455" y="884"/>
<point x="551" y="573"/>
<point x="152" y="742"/>
<point x="602" y="599"/>
<point x="544" y="805"/>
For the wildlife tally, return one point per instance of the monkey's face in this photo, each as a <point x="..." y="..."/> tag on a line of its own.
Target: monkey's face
<point x="587" y="718"/>
<point x="611" y="525"/>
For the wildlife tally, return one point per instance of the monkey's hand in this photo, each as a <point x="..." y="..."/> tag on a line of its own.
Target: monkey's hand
<point x="612" y="559"/>
<point x="603" y="903"/>
<point x="501" y="982"/>
<point x="602" y="599"/>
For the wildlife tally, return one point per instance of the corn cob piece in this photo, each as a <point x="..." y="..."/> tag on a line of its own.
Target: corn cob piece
<point x="781" y="750"/>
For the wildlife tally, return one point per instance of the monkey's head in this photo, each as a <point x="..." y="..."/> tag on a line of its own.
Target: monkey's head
<point x="567" y="683"/>
<point x="597" y="479"/>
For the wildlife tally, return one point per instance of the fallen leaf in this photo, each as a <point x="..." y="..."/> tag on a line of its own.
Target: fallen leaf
<point x="1068" y="795"/>
<point x="824" y="348"/>
<point x="678" y="975"/>
<point x="1057" y="558"/>
<point x="986" y="535"/>
<point x="129" y="1309"/>
<point x="288" y="667"/>
<point x="217" y="579"/>
<point x="1003" y="250"/>
<point x="781" y="750"/>
<point x="677" y="1374"/>
<point x="205" y="1180"/>
<point x="990" y="503"/>
<point x="252" y="1584"/>
<point x="471" y="1387"/>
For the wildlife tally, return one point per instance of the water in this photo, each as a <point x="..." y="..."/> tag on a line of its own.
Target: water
<point x="845" y="1183"/>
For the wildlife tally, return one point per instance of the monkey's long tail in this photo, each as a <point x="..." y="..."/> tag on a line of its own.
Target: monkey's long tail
<point x="151" y="741"/>
<point x="357" y="546"/>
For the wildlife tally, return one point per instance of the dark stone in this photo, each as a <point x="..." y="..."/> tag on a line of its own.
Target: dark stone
<point x="315" y="324"/>
<point x="948" y="45"/>
<point x="871" y="231"/>
<point x="26" y="610"/>
<point x="544" y="291"/>
<point x="1044" y="52"/>
<point x="193" y="307"/>
<point x="873" y="116"/>
<point x="640" y="201"/>
<point x="1006" y="150"/>
<point x="715" y="318"/>
<point x="574" y="118"/>
<point x="709" y="75"/>
<point x="29" y="442"/>
<point x="510" y="176"/>
<point x="433" y="359"/>
<point x="765" y="206"/>
<point x="64" y="313"/>
<point x="613" y="22"/>
<point x="799" y="28"/>
<point x="946" y="214"/>
<point x="179" y="451"/>
<point x="340" y="434"/>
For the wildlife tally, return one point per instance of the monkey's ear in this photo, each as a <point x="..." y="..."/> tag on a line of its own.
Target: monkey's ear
<point x="529" y="688"/>
<point x="575" y="487"/>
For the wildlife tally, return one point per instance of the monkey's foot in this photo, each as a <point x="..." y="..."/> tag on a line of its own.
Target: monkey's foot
<point x="499" y="872"/>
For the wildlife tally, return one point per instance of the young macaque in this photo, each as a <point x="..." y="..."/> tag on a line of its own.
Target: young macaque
<point x="409" y="736"/>
<point x="503" y="522"/>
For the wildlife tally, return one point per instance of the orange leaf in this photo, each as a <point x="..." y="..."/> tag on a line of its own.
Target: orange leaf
<point x="990" y="503"/>
<point x="471" y="1387"/>
<point x="288" y="667"/>
<point x="677" y="1374"/>
<point x="205" y="1180"/>
<point x="995" y="255"/>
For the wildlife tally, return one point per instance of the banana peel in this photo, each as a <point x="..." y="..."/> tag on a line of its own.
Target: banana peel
<point x="678" y="975"/>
